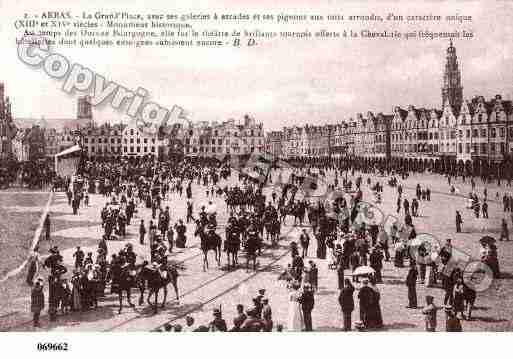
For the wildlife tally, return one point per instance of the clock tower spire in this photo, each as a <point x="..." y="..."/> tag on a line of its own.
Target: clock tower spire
<point x="452" y="91"/>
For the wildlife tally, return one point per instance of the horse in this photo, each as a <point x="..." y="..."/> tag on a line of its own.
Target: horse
<point x="251" y="245"/>
<point x="232" y="245"/>
<point x="123" y="280"/>
<point x="209" y="241"/>
<point x="272" y="229"/>
<point x="156" y="279"/>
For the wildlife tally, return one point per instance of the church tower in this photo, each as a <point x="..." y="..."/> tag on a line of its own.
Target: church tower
<point x="452" y="91"/>
<point x="84" y="108"/>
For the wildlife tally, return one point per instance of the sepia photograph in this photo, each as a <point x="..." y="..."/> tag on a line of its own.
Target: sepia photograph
<point x="321" y="166"/>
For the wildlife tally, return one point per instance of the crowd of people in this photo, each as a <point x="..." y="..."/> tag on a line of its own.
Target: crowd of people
<point x="129" y="187"/>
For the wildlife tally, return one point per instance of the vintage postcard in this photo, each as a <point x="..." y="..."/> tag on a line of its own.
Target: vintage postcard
<point x="252" y="166"/>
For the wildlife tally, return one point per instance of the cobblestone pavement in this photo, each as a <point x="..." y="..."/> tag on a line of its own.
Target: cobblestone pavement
<point x="201" y="291"/>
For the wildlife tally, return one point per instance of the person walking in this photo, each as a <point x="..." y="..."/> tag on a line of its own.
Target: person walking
<point x="504" y="231"/>
<point x="459" y="222"/>
<point x="142" y="232"/>
<point x="484" y="209"/>
<point x="37" y="301"/>
<point x="307" y="304"/>
<point x="346" y="301"/>
<point x="304" y="240"/>
<point x="47" y="227"/>
<point x="365" y="296"/>
<point x="411" y="284"/>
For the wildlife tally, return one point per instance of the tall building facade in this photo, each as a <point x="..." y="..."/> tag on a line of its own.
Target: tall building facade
<point x="7" y="126"/>
<point x="473" y="133"/>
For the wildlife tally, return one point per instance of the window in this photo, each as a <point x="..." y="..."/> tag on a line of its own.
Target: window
<point x="501" y="132"/>
<point x="467" y="147"/>
<point x="146" y="140"/>
<point x="460" y="148"/>
<point x="138" y="140"/>
<point x="146" y="149"/>
<point x="493" y="132"/>
<point x="152" y="149"/>
<point x="112" y="141"/>
<point x="460" y="133"/>
<point x="483" y="148"/>
<point x="468" y="133"/>
<point x="131" y="132"/>
<point x="475" y="148"/>
<point x="131" y="149"/>
<point x="138" y="149"/>
<point x="483" y="132"/>
<point x="86" y="140"/>
<point x="125" y="149"/>
<point x="131" y="140"/>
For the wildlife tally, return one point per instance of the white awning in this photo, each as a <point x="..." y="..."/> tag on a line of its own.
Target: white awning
<point x="68" y="151"/>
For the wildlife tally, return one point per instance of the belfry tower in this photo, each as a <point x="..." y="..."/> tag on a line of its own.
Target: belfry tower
<point x="452" y="91"/>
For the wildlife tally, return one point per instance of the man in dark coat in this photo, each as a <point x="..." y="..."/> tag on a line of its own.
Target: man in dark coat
<point x="47" y="225"/>
<point x="346" y="302"/>
<point x="411" y="283"/>
<point x="37" y="302"/>
<point x="307" y="304"/>
<point x="365" y="296"/>
<point x="304" y="240"/>
<point x="376" y="263"/>
<point x="459" y="221"/>
<point x="142" y="232"/>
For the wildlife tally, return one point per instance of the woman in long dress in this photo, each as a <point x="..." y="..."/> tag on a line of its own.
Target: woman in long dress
<point x="33" y="266"/>
<point x="295" y="318"/>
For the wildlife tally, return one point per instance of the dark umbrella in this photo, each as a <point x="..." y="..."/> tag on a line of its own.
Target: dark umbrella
<point x="487" y="240"/>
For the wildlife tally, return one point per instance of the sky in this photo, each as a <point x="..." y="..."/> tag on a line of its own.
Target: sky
<point x="278" y="82"/>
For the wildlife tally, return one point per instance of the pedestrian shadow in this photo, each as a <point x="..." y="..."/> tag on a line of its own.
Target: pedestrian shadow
<point x="327" y="329"/>
<point x="271" y="268"/>
<point x="481" y="308"/>
<point x="393" y="281"/>
<point x="489" y="319"/>
<point x="506" y="275"/>
<point x="398" y="326"/>
<point x="326" y="292"/>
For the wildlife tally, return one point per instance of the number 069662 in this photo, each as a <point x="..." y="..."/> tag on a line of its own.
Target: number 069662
<point x="52" y="346"/>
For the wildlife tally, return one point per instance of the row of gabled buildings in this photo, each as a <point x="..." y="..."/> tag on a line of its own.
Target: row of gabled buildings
<point x="481" y="129"/>
<point x="478" y="129"/>
<point x="27" y="139"/>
